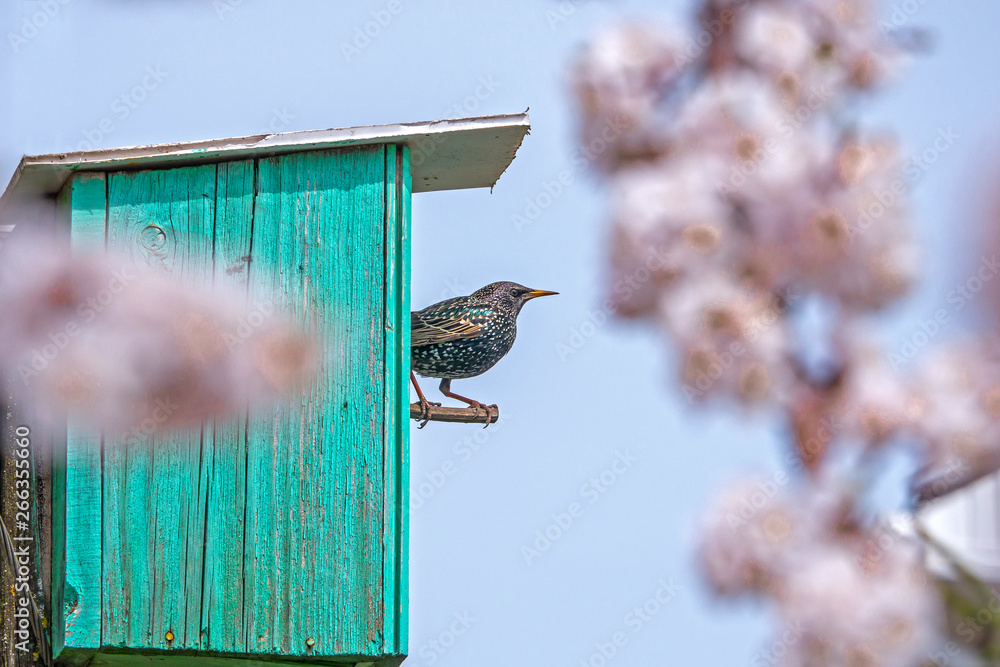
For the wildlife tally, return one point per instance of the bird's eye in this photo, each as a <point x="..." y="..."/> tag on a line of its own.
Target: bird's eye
<point x="513" y="292"/>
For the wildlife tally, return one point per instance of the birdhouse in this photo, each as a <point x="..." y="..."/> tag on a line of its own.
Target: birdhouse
<point x="278" y="537"/>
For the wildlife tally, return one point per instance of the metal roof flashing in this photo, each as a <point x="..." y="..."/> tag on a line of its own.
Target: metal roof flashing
<point x="445" y="154"/>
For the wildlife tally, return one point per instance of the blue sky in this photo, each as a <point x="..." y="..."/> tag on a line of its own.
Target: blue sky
<point x="198" y="70"/>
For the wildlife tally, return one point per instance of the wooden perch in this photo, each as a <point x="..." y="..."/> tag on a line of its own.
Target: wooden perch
<point x="457" y="415"/>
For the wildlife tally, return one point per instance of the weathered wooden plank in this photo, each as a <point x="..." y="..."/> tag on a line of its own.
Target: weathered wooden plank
<point x="315" y="469"/>
<point x="57" y="554"/>
<point x="396" y="396"/>
<point x="224" y="463"/>
<point x="82" y="599"/>
<point x="48" y="438"/>
<point x="57" y="567"/>
<point x="154" y="526"/>
<point x="403" y="488"/>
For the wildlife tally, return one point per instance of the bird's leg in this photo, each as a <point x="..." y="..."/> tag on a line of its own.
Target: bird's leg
<point x="425" y="405"/>
<point x="476" y="405"/>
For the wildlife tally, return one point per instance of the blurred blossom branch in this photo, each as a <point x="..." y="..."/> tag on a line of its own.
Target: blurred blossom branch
<point x="132" y="350"/>
<point x="739" y="158"/>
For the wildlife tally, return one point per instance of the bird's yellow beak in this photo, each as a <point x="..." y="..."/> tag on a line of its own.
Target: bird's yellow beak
<point x="535" y="293"/>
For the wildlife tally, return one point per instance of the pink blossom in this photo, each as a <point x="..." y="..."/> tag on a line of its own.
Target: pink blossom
<point x="853" y="611"/>
<point x="98" y="337"/>
<point x="620" y="80"/>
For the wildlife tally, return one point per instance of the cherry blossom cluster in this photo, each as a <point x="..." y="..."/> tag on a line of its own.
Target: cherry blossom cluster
<point x="98" y="337"/>
<point x="736" y="155"/>
<point x="736" y="159"/>
<point x="737" y="163"/>
<point x="855" y="593"/>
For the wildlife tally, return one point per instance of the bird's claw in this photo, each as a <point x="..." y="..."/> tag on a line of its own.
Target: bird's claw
<point x="425" y="411"/>
<point x="476" y="406"/>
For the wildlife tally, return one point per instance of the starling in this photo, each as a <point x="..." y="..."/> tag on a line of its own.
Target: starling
<point x="465" y="336"/>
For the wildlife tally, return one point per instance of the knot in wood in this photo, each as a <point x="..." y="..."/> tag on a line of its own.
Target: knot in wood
<point x="152" y="237"/>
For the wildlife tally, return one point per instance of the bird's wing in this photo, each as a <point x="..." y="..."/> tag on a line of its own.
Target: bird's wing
<point x="440" y="325"/>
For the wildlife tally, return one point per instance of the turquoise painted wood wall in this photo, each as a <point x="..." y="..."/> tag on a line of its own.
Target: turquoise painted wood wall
<point x="278" y="535"/>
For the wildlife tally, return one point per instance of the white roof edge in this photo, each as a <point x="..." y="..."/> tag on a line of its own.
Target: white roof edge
<point x="445" y="154"/>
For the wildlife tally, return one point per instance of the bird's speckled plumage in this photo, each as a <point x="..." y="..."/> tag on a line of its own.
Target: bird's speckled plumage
<point x="466" y="336"/>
